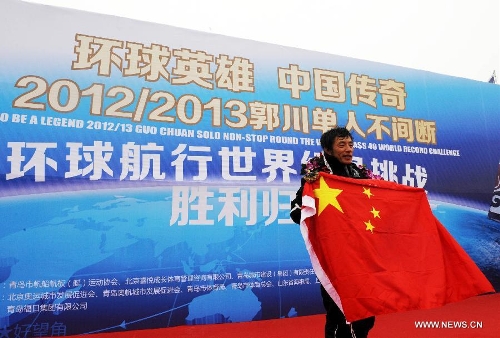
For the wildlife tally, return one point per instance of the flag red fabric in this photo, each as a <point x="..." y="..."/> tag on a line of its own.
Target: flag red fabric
<point x="377" y="248"/>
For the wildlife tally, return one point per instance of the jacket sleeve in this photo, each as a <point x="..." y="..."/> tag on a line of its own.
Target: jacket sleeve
<point x="296" y="204"/>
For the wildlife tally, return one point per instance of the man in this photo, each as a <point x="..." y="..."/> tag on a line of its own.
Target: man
<point x="336" y="159"/>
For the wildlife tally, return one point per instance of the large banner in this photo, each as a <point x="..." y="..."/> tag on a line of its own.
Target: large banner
<point x="146" y="171"/>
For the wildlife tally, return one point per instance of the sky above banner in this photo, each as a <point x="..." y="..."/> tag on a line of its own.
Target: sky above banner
<point x="457" y="38"/>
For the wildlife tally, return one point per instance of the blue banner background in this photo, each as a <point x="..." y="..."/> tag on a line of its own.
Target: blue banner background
<point x="81" y="254"/>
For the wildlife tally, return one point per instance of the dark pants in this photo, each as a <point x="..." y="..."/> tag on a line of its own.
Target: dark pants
<point x="336" y="326"/>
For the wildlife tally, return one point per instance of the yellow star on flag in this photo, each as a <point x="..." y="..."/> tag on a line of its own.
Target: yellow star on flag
<point x="369" y="226"/>
<point x="327" y="196"/>
<point x="367" y="192"/>
<point x="375" y="212"/>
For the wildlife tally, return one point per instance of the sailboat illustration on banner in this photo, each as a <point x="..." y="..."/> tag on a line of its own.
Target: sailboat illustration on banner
<point x="494" y="212"/>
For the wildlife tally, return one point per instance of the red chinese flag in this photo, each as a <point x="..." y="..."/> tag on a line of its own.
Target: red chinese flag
<point x="377" y="248"/>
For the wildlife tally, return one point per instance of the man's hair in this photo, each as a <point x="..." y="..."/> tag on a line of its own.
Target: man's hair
<point x="328" y="137"/>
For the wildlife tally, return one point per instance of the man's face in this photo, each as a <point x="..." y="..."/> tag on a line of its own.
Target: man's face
<point x="342" y="149"/>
